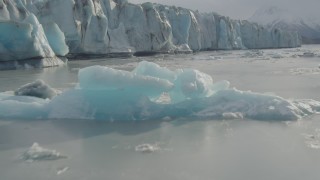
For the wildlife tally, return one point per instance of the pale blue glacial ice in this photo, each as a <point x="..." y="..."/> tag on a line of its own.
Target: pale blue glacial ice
<point x="45" y="29"/>
<point x="107" y="94"/>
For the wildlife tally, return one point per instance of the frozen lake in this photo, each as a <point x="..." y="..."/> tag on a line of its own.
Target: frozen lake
<point x="180" y="148"/>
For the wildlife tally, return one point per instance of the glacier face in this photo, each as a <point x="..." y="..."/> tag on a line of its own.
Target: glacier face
<point x="56" y="27"/>
<point x="25" y="42"/>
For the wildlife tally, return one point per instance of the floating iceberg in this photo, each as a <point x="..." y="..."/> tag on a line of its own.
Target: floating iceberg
<point x="38" y="153"/>
<point x="114" y="95"/>
<point x="147" y="148"/>
<point x="36" y="89"/>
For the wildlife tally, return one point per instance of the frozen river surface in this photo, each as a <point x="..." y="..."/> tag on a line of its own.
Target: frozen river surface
<point x="185" y="149"/>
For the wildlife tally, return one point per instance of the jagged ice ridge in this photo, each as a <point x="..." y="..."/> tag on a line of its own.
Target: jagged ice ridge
<point x="108" y="94"/>
<point x="49" y="28"/>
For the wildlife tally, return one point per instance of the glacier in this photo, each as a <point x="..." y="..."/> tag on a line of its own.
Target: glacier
<point x="51" y="28"/>
<point x="24" y="37"/>
<point x="108" y="94"/>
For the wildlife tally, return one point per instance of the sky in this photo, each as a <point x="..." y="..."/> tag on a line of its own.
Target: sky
<point x="243" y="9"/>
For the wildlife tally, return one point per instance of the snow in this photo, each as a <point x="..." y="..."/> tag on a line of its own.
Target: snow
<point x="269" y="14"/>
<point x="38" y="153"/>
<point x="36" y="89"/>
<point x="108" y="94"/>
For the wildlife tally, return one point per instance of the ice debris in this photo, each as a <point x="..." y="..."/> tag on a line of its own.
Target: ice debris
<point x="36" y="89"/>
<point x="147" y="148"/>
<point x="62" y="170"/>
<point x="38" y="153"/>
<point x="308" y="54"/>
<point x="313" y="140"/>
<point x="232" y="115"/>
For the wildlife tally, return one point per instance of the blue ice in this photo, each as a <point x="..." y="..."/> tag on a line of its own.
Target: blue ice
<point x="151" y="92"/>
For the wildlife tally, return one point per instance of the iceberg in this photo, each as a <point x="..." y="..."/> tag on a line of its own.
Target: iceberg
<point x="36" y="89"/>
<point x="147" y="148"/>
<point x="108" y="94"/>
<point x="38" y="153"/>
<point x="49" y="28"/>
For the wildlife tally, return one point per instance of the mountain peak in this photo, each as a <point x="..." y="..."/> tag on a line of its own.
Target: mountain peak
<point x="271" y="10"/>
<point x="274" y="14"/>
<point x="277" y="17"/>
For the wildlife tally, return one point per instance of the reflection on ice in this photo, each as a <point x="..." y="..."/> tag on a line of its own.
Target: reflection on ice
<point x="114" y="95"/>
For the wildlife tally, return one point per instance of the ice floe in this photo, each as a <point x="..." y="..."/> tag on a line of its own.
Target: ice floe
<point x="38" y="153"/>
<point x="36" y="89"/>
<point x="313" y="140"/>
<point x="147" y="148"/>
<point x="151" y="92"/>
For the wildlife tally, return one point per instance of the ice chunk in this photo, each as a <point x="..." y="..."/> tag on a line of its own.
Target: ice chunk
<point x="147" y="148"/>
<point x="313" y="140"/>
<point x="232" y="115"/>
<point x="38" y="153"/>
<point x="308" y="54"/>
<point x="62" y="170"/>
<point x="36" y="89"/>
<point x="146" y="68"/>
<point x="253" y="54"/>
<point x="22" y="107"/>
<point x="98" y="77"/>
<point x="102" y="95"/>
<point x="191" y="83"/>
<point x="115" y="95"/>
<point x="188" y="83"/>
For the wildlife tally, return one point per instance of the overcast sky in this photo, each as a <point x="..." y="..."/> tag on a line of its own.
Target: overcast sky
<point x="243" y="9"/>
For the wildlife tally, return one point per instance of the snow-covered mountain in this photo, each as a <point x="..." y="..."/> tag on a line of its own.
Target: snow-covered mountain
<point x="275" y="17"/>
<point x="45" y="28"/>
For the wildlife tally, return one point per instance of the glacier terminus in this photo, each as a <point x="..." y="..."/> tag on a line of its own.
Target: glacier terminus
<point x="51" y="29"/>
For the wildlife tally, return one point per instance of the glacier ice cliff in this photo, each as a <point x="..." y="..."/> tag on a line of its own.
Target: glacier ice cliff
<point x="45" y="28"/>
<point x="108" y="94"/>
<point x="24" y="37"/>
